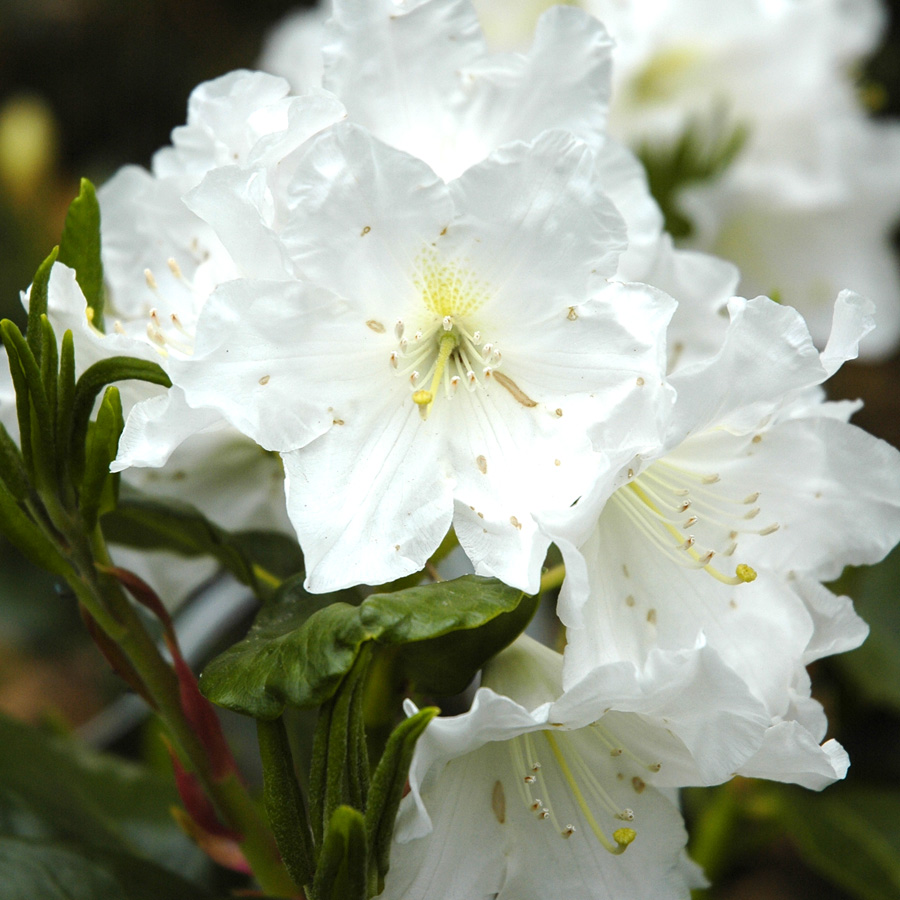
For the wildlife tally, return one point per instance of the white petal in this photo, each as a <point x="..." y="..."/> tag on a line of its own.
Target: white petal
<point x="370" y="499"/>
<point x="791" y="754"/>
<point x="361" y="213"/>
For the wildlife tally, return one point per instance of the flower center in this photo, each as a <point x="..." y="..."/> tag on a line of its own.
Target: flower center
<point x="444" y="349"/>
<point x="569" y="780"/>
<point x="690" y="518"/>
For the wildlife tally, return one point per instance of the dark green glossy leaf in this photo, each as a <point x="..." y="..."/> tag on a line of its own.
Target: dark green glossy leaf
<point x="851" y="835"/>
<point x="162" y="524"/>
<point x="341" y="873"/>
<point x="54" y="789"/>
<point x="79" y="248"/>
<point x="875" y="667"/>
<point x="302" y="645"/>
<point x="53" y="870"/>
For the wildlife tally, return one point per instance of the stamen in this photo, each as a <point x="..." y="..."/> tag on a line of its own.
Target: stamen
<point x="174" y="268"/>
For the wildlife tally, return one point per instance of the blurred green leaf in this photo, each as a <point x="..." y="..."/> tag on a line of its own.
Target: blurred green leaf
<point x="875" y="667"/>
<point x="702" y="153"/>
<point x="53" y="870"/>
<point x="301" y="645"/>
<point x="850" y="835"/>
<point x="55" y="790"/>
<point x="151" y="523"/>
<point x="79" y="249"/>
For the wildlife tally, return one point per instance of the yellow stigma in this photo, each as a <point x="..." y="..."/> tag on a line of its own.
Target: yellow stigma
<point x="624" y="836"/>
<point x="745" y="573"/>
<point x="449" y="342"/>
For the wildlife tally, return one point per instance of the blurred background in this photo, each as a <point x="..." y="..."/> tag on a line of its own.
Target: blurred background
<point x="89" y="85"/>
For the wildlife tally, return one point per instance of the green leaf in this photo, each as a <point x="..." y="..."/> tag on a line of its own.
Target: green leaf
<point x="339" y="768"/>
<point x="18" y="527"/>
<point x="162" y="524"/>
<point x="875" y="666"/>
<point x="387" y="787"/>
<point x="94" y="380"/>
<point x="79" y="249"/>
<point x="341" y="873"/>
<point x="851" y="835"/>
<point x="12" y="466"/>
<point x="37" y="302"/>
<point x="284" y="804"/>
<point x="53" y="870"/>
<point x="301" y="645"/>
<point x="100" y="488"/>
<point x="36" y="421"/>
<point x="55" y="789"/>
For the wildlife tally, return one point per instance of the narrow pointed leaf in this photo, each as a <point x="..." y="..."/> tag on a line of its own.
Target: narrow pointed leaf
<point x="341" y="873"/>
<point x="18" y="527"/>
<point x="284" y="804"/>
<point x="92" y="382"/>
<point x="12" y="466"/>
<point x="388" y="783"/>
<point x="37" y="302"/>
<point x="80" y="249"/>
<point x="100" y="487"/>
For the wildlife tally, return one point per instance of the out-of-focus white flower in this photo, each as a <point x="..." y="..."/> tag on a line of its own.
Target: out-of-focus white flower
<point x="807" y="205"/>
<point x="434" y="352"/>
<point x="760" y="491"/>
<point x="533" y="790"/>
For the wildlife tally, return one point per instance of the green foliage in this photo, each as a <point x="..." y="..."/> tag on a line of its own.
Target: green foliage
<point x="285" y="807"/>
<point x="152" y="523"/>
<point x="341" y="874"/>
<point x="54" y="870"/>
<point x="79" y="249"/>
<point x="301" y="645"/>
<point x="388" y="783"/>
<point x="851" y="835"/>
<point x="875" y="667"/>
<point x="94" y="813"/>
<point x="701" y="153"/>
<point x="100" y="488"/>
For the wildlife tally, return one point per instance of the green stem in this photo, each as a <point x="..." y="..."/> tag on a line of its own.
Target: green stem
<point x="552" y="578"/>
<point x="234" y="804"/>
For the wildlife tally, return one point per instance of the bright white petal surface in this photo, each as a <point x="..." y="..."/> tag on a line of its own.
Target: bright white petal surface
<point x="539" y="377"/>
<point x="544" y="798"/>
<point x="418" y="76"/>
<point x="765" y="490"/>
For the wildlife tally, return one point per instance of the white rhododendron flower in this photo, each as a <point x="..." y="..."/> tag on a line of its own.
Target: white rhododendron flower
<point x="563" y="790"/>
<point x="435" y="352"/>
<point x="760" y="491"/>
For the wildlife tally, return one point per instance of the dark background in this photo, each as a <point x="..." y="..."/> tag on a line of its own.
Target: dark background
<point x="108" y="80"/>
